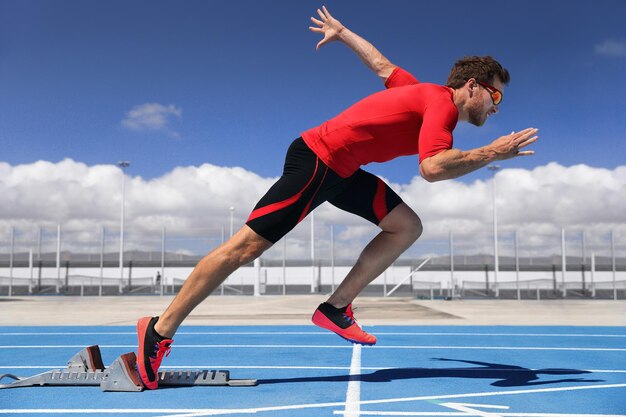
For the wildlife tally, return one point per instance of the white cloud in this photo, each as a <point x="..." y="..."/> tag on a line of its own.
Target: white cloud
<point x="611" y="48"/>
<point x="152" y="117"/>
<point x="193" y="204"/>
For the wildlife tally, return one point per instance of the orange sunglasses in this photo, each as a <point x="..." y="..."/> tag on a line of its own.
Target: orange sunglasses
<point x="496" y="95"/>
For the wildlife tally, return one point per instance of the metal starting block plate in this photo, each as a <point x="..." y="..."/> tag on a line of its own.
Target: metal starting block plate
<point x="86" y="369"/>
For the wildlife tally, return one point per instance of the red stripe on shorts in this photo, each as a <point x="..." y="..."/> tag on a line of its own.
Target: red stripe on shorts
<point x="380" y="201"/>
<point x="270" y="208"/>
<point x="308" y="206"/>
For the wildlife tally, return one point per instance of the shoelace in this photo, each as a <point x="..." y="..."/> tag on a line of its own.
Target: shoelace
<point x="349" y="314"/>
<point x="161" y="349"/>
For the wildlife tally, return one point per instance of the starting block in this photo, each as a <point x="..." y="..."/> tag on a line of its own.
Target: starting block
<point x="86" y="369"/>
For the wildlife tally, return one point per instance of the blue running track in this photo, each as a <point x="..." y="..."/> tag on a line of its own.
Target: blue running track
<point x="302" y="371"/>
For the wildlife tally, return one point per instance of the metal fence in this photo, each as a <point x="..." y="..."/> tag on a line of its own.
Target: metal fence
<point x="54" y="260"/>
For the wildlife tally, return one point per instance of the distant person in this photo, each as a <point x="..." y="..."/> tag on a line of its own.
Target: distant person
<point x="323" y="164"/>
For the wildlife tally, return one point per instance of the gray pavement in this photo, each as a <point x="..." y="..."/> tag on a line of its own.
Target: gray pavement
<point x="267" y="310"/>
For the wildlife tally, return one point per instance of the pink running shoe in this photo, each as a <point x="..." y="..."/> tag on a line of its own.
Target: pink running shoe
<point x="342" y="322"/>
<point x="151" y="350"/>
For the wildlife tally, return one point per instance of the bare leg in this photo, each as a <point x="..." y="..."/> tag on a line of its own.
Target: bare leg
<point x="242" y="248"/>
<point x="400" y="229"/>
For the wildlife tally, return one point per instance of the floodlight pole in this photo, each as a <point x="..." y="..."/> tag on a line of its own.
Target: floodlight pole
<point x="123" y="165"/>
<point x="496" y="264"/>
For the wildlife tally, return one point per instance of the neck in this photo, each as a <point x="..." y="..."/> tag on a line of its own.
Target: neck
<point x="460" y="98"/>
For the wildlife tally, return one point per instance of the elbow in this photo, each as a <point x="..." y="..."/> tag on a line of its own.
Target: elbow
<point x="429" y="172"/>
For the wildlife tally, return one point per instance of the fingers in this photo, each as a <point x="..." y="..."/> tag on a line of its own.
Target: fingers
<point x="530" y="130"/>
<point x="524" y="132"/>
<point x="512" y="144"/>
<point x="322" y="15"/>
<point x="526" y="137"/>
<point x="327" y="26"/>
<point x="317" y="22"/>
<point x="527" y="142"/>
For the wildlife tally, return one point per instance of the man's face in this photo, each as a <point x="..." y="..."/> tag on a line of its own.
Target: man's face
<point x="481" y="104"/>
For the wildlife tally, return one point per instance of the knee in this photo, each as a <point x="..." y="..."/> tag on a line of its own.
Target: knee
<point x="411" y="226"/>
<point x="250" y="252"/>
<point x="414" y="228"/>
<point x="244" y="248"/>
<point x="404" y="222"/>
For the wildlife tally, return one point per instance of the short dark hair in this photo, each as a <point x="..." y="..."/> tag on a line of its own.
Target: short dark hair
<point x="482" y="68"/>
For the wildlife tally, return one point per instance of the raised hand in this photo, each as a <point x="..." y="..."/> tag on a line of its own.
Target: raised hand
<point x="328" y="26"/>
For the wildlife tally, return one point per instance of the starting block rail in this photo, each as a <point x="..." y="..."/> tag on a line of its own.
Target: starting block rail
<point x="86" y="369"/>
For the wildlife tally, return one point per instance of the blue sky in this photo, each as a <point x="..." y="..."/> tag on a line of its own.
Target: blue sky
<point x="235" y="82"/>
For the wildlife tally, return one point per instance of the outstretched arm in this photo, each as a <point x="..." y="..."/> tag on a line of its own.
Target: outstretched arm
<point x="454" y="163"/>
<point x="333" y="30"/>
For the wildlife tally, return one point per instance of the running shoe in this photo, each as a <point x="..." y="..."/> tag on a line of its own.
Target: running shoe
<point x="152" y="349"/>
<point x="342" y="322"/>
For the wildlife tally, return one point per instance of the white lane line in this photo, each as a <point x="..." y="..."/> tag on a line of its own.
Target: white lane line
<point x="177" y="333"/>
<point x="325" y="368"/>
<point x="134" y="346"/>
<point x="206" y="412"/>
<point x="120" y="333"/>
<point x="493" y="393"/>
<point x="421" y="413"/>
<point x="86" y="411"/>
<point x="209" y="412"/>
<point x="199" y="346"/>
<point x="353" y="394"/>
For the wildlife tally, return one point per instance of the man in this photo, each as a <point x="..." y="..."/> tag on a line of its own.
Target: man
<point x="324" y="165"/>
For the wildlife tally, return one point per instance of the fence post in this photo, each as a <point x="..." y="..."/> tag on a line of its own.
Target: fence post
<point x="30" y="270"/>
<point x="452" y="283"/>
<point x="593" y="274"/>
<point x="67" y="276"/>
<point x="163" y="235"/>
<point x="12" y="237"/>
<point x="487" y="280"/>
<point x="563" y="262"/>
<point x="516" y="243"/>
<point x="285" y="265"/>
<point x="257" y="277"/>
<point x="58" y="257"/>
<point x="130" y="276"/>
<point x="313" y="271"/>
<point x="39" y="273"/>
<point x="101" y="260"/>
<point x="332" y="258"/>
<point x="584" y="258"/>
<point x="613" y="264"/>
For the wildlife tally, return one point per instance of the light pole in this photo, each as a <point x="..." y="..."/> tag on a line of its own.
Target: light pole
<point x="496" y="265"/>
<point x="123" y="165"/>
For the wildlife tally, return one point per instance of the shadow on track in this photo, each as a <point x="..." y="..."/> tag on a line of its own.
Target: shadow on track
<point x="505" y="375"/>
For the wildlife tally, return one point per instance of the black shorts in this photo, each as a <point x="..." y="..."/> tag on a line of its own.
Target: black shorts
<point x="306" y="183"/>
